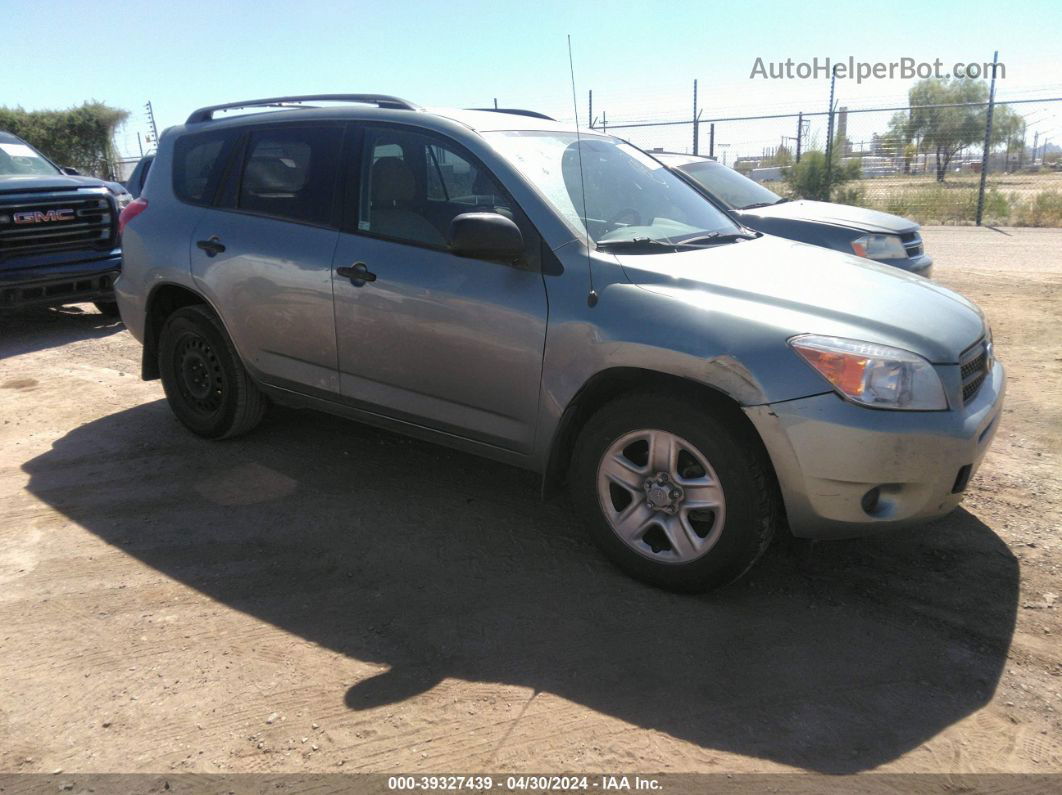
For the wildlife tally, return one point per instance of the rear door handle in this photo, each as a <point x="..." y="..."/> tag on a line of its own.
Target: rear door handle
<point x="358" y="273"/>
<point x="212" y="246"/>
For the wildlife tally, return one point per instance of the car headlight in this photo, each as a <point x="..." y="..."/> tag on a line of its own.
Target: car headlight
<point x="123" y="200"/>
<point x="873" y="375"/>
<point x="879" y="247"/>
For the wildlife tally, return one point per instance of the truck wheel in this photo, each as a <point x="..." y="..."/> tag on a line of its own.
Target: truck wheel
<point x="672" y="494"/>
<point x="205" y="382"/>
<point x="107" y="308"/>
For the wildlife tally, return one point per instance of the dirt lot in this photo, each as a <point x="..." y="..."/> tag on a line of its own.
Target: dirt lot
<point x="322" y="596"/>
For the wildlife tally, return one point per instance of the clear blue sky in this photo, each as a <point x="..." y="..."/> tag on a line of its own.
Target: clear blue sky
<point x="639" y="57"/>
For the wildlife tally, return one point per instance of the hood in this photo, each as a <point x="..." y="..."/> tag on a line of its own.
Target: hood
<point x="836" y="214"/>
<point x="25" y="183"/>
<point x="796" y="288"/>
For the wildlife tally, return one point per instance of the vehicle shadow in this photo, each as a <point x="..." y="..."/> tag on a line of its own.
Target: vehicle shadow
<point x="35" y="328"/>
<point x="833" y="657"/>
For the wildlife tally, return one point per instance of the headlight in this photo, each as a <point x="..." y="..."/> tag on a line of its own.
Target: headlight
<point x="123" y="200"/>
<point x="873" y="375"/>
<point x="879" y="247"/>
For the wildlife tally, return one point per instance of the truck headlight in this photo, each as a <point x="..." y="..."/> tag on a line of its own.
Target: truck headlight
<point x="873" y="375"/>
<point x="879" y="247"/>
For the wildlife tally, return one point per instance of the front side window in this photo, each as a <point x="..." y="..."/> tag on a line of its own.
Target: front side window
<point x="290" y="173"/>
<point x="414" y="185"/>
<point x="735" y="190"/>
<point x="608" y="189"/>
<point x="20" y="159"/>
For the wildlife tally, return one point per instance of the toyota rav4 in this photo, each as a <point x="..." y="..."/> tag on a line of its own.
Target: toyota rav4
<point x="558" y="300"/>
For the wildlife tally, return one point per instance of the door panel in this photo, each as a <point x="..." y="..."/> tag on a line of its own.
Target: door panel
<point x="268" y="257"/>
<point x="273" y="287"/>
<point x="445" y="341"/>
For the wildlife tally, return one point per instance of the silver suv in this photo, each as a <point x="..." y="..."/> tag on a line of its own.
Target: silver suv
<point x="557" y="300"/>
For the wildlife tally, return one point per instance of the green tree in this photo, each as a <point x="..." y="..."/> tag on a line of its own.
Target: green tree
<point x="947" y="131"/>
<point x="82" y="137"/>
<point x="810" y="178"/>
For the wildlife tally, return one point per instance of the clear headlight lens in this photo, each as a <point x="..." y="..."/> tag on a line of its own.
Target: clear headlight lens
<point x="879" y="247"/>
<point x="123" y="200"/>
<point x="874" y="375"/>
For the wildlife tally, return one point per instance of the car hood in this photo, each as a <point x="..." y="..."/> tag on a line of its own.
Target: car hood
<point x="837" y="215"/>
<point x="26" y="183"/>
<point x="796" y="288"/>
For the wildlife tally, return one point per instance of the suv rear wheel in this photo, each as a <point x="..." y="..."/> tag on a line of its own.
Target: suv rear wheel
<point x="205" y="382"/>
<point x="672" y="494"/>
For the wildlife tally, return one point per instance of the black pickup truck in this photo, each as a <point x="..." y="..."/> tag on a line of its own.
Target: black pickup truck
<point x="58" y="232"/>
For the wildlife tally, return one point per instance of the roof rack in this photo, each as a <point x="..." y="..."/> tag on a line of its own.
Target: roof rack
<point x="534" y="114"/>
<point x="380" y="100"/>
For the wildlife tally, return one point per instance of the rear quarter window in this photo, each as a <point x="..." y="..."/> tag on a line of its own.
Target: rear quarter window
<point x="199" y="162"/>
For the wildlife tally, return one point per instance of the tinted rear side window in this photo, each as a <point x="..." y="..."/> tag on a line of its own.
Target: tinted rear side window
<point x="290" y="173"/>
<point x="199" y="163"/>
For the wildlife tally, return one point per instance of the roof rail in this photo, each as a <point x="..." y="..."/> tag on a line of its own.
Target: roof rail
<point x="380" y="100"/>
<point x="534" y="114"/>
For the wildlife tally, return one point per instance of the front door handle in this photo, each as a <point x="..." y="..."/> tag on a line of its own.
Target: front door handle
<point x="358" y="273"/>
<point x="212" y="246"/>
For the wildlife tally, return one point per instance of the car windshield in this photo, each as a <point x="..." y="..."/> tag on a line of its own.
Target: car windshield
<point x="18" y="159"/>
<point x="735" y="190"/>
<point x="628" y="195"/>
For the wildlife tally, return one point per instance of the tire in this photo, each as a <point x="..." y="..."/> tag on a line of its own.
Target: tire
<point x="716" y="508"/>
<point x="107" y="308"/>
<point x="205" y="382"/>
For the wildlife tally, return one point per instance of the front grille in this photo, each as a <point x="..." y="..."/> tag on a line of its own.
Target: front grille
<point x="912" y="243"/>
<point x="973" y="367"/>
<point x="55" y="221"/>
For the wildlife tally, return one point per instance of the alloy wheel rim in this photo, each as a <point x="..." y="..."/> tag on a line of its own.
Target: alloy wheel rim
<point x="660" y="496"/>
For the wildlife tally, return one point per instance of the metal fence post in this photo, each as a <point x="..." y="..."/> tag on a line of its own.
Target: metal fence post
<point x="696" y="122"/>
<point x="988" y="141"/>
<point x="829" y="141"/>
<point x="800" y="133"/>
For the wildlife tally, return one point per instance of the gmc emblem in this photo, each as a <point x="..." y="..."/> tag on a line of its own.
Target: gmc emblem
<point x="39" y="217"/>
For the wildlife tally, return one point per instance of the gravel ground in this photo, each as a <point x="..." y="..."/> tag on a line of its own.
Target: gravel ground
<point x="320" y="596"/>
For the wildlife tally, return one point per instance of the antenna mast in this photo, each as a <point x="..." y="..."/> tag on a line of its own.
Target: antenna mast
<point x="591" y="297"/>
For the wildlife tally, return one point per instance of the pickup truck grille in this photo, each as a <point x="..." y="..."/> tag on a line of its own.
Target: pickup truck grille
<point x="973" y="366"/>
<point x="45" y="222"/>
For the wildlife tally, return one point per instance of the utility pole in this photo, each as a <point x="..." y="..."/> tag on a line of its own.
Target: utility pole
<point x="495" y="103"/>
<point x="1036" y="142"/>
<point x="988" y="140"/>
<point x="590" y="109"/>
<point x="711" y="140"/>
<point x="151" y="123"/>
<point x="800" y="134"/>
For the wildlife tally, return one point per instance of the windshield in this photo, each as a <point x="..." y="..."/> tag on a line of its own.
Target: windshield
<point x="18" y="159"/>
<point x="735" y="190"/>
<point x="628" y="195"/>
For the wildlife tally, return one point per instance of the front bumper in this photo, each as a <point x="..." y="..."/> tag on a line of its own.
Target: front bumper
<point x="60" y="284"/>
<point x="922" y="264"/>
<point x="828" y="454"/>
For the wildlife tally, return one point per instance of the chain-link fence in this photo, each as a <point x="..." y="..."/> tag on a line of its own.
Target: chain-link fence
<point x="920" y="161"/>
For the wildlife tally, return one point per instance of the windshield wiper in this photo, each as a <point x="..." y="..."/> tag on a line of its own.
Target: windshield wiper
<point x="639" y="243"/>
<point x="719" y="237"/>
<point x="757" y="205"/>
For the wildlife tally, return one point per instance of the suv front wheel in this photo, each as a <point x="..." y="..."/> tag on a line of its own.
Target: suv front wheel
<point x="671" y="493"/>
<point x="205" y="382"/>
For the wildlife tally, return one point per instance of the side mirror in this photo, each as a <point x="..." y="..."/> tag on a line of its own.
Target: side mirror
<point x="487" y="236"/>
<point x="70" y="172"/>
